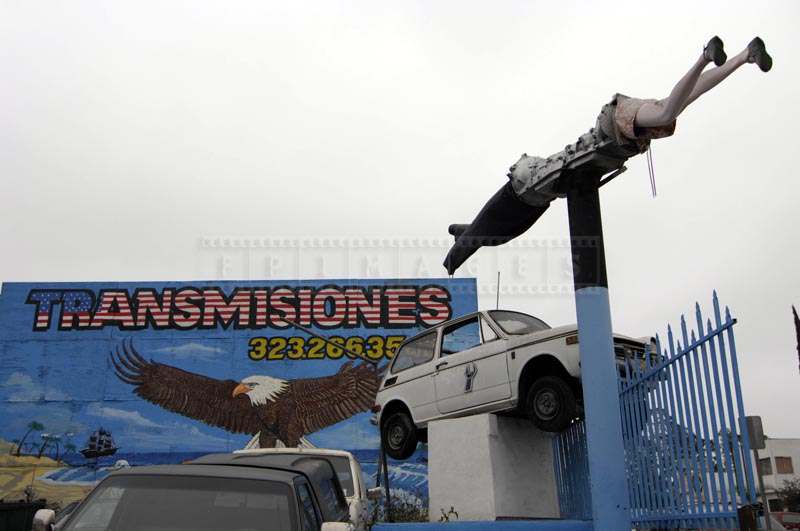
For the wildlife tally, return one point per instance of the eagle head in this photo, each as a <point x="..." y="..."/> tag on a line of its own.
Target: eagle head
<point x="260" y="389"/>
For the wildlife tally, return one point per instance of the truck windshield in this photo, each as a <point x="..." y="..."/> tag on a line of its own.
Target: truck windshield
<point x="185" y="503"/>
<point x="516" y="323"/>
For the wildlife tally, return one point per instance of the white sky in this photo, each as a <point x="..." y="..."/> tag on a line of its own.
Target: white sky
<point x="131" y="130"/>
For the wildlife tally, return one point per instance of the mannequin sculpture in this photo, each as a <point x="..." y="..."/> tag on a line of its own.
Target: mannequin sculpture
<point x="624" y="129"/>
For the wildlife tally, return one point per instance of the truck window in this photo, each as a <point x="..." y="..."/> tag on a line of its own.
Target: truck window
<point x="308" y="516"/>
<point x="330" y="495"/>
<point x="342" y="467"/>
<point x="415" y="352"/>
<point x="461" y="336"/>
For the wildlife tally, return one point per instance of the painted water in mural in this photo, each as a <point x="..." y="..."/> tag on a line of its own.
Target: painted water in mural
<point x="149" y="373"/>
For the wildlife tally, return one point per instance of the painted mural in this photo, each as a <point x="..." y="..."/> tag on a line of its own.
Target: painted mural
<point x="94" y="374"/>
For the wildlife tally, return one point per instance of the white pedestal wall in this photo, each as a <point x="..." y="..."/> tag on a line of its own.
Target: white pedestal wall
<point x="487" y="467"/>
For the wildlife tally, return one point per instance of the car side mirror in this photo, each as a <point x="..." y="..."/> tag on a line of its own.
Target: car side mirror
<point x="337" y="526"/>
<point x="374" y="493"/>
<point x="43" y="520"/>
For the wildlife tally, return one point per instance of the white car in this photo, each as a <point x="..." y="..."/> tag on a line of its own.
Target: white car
<point x="485" y="362"/>
<point x="347" y="468"/>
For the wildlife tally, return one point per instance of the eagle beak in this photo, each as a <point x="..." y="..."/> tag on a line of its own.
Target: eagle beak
<point x="240" y="390"/>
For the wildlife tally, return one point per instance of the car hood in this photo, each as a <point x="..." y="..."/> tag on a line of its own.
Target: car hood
<point x="543" y="335"/>
<point x="566" y="330"/>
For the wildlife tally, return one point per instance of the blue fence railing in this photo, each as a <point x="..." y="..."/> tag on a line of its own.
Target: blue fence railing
<point x="683" y="423"/>
<point x="572" y="473"/>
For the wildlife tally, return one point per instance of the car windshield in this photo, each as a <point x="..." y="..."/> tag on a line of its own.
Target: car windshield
<point x="342" y="467"/>
<point x="185" y="503"/>
<point x="516" y="323"/>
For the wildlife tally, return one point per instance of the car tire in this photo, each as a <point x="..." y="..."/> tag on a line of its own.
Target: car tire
<point x="399" y="435"/>
<point x="550" y="404"/>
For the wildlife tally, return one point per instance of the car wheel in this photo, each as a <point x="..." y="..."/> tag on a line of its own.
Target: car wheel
<point x="399" y="436"/>
<point x="550" y="404"/>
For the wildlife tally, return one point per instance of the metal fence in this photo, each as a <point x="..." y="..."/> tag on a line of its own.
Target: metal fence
<point x="683" y="422"/>
<point x="572" y="473"/>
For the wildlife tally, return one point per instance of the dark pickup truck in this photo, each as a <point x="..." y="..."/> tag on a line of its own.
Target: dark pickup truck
<point x="225" y="496"/>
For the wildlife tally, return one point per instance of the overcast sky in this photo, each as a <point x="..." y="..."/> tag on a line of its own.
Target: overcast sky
<point x="130" y="131"/>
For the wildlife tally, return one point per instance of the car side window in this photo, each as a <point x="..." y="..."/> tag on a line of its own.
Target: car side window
<point x="415" y="352"/>
<point x="308" y="516"/>
<point x="461" y="336"/>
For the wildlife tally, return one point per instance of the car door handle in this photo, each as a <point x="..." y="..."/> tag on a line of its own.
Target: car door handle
<point x="440" y="365"/>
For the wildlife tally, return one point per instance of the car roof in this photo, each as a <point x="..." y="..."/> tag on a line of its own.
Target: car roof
<point x="482" y="313"/>
<point x="218" y="470"/>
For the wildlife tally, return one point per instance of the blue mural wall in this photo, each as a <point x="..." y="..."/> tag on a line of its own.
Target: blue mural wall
<point x="172" y="370"/>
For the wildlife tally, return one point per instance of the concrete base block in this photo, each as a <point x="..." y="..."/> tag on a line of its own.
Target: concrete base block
<point x="487" y="467"/>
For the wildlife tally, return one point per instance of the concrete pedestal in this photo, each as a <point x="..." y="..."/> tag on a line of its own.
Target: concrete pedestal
<point x="487" y="467"/>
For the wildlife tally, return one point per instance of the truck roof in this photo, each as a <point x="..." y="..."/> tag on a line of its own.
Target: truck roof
<point x="284" y="459"/>
<point x="294" y="451"/>
<point x="216" y="470"/>
<point x="317" y="469"/>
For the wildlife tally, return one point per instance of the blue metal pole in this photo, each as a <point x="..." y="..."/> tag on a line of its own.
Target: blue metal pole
<point x="608" y="481"/>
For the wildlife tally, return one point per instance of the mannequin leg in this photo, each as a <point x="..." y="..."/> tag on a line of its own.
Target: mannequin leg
<point x="665" y="111"/>
<point x="713" y="77"/>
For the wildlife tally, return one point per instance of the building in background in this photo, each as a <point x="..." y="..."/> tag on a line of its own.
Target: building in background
<point x="780" y="461"/>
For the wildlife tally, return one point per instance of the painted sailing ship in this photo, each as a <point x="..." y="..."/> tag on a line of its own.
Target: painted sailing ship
<point x="100" y="444"/>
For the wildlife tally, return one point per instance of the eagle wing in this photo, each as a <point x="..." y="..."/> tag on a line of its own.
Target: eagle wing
<point x="322" y="402"/>
<point x="193" y="395"/>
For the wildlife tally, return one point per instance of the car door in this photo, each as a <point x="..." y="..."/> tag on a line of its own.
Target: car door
<point x="472" y="368"/>
<point x="412" y="375"/>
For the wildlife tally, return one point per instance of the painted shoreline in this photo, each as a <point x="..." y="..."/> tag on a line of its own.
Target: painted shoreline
<point x="19" y="473"/>
<point x="63" y="482"/>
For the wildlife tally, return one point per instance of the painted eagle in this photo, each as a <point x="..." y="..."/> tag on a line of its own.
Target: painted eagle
<point x="278" y="410"/>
